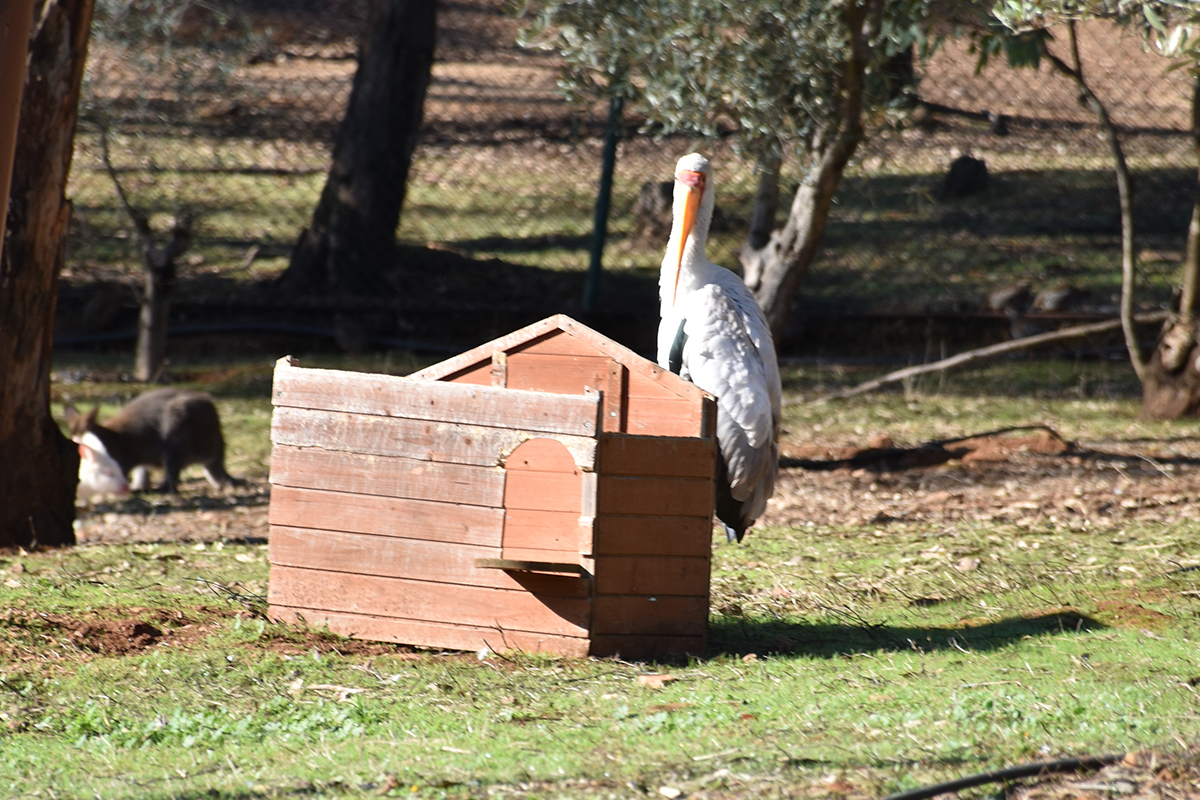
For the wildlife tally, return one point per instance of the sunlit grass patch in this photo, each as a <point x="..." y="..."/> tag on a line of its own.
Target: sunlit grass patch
<point x="886" y="651"/>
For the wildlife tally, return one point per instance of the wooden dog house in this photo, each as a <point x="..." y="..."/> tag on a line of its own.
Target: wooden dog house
<point x="550" y="491"/>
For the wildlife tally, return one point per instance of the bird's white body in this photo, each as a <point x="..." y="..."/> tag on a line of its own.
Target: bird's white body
<point x="99" y="473"/>
<point x="713" y="333"/>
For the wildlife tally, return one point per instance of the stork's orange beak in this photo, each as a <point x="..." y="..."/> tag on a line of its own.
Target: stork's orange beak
<point x="695" y="193"/>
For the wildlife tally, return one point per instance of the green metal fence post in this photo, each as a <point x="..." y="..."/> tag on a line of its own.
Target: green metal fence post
<point x="600" y="226"/>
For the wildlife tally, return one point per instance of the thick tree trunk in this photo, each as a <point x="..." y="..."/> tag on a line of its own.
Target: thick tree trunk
<point x="38" y="466"/>
<point x="350" y="243"/>
<point x="762" y="221"/>
<point x="766" y="202"/>
<point x="785" y="259"/>
<point x="1171" y="387"/>
<point x="16" y="18"/>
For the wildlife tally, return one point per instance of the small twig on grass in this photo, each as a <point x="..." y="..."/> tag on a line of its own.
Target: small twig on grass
<point x="991" y="351"/>
<point x="1008" y="774"/>
<point x="254" y="603"/>
<point x="1158" y="467"/>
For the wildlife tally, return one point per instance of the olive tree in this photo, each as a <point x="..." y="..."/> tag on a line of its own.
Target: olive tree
<point x="786" y="78"/>
<point x="1171" y="387"/>
<point x="1170" y="378"/>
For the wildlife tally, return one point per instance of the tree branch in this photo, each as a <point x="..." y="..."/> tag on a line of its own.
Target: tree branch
<point x="991" y="351"/>
<point x="141" y="222"/>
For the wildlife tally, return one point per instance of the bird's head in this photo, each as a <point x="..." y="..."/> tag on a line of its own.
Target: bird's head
<point x="692" y="212"/>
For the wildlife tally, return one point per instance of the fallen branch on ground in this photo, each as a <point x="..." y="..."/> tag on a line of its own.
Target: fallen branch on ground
<point x="995" y="350"/>
<point x="1036" y="770"/>
<point x="890" y="459"/>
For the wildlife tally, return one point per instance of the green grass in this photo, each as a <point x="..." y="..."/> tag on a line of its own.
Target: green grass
<point x="857" y="657"/>
<point x="828" y="665"/>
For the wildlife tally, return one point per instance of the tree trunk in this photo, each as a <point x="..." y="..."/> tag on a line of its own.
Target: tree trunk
<point x="150" y="360"/>
<point x="785" y="259"/>
<point x="351" y="241"/>
<point x="40" y="467"/>
<point x="762" y="221"/>
<point x="1171" y="388"/>
<point x="1124" y="195"/>
<point x="16" y="18"/>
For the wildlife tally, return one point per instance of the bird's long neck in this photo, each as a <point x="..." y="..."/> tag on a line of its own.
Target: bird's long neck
<point x="693" y="267"/>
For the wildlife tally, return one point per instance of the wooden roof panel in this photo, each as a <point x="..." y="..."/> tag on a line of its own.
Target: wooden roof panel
<point x="559" y="335"/>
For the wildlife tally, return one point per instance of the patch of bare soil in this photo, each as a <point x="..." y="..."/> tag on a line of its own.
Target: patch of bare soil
<point x="197" y="514"/>
<point x="103" y="631"/>
<point x="1138" y="776"/>
<point x="1026" y="480"/>
<point x="119" y="631"/>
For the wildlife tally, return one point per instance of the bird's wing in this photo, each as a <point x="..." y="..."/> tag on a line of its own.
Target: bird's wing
<point x="728" y="353"/>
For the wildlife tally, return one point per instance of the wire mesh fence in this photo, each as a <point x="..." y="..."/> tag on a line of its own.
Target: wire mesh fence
<point x="235" y="128"/>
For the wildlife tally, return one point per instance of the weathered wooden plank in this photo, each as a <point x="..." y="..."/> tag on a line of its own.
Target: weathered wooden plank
<point x="656" y="383"/>
<point x="658" y="455"/>
<point x="367" y="554"/>
<point x="653" y="496"/>
<point x="544" y="530"/>
<point x="558" y="335"/>
<point x="544" y="491"/>
<point x="616" y="398"/>
<point x="657" y="616"/>
<point x="477" y="374"/>
<point x="652" y="536"/>
<point x="390" y="516"/>
<point x="391" y="396"/>
<point x="528" y="565"/>
<point x="541" y="455"/>
<point x="647" y="648"/>
<point x="650" y="575"/>
<point x="545" y="556"/>
<point x="461" y="363"/>
<point x="424" y="440"/>
<point x="650" y="416"/>
<point x="385" y="556"/>
<point x="388" y="477"/>
<point x="541" y="584"/>
<point x="500" y="369"/>
<point x="428" y="634"/>
<point x="558" y="343"/>
<point x="568" y="375"/>
<point x="338" y="592"/>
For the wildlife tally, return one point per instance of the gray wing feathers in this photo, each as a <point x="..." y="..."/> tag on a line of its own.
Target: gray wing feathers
<point x="728" y="353"/>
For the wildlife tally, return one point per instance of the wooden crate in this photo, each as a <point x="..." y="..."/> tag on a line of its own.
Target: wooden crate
<point x="549" y="491"/>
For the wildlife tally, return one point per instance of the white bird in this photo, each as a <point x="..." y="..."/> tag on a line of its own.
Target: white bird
<point x="713" y="333"/>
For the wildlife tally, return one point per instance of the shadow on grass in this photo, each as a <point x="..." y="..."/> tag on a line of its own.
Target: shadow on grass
<point x="739" y="637"/>
<point x="524" y="244"/>
<point x="195" y="496"/>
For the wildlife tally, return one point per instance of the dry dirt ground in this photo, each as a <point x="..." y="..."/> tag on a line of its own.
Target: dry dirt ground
<point x="1025" y="477"/>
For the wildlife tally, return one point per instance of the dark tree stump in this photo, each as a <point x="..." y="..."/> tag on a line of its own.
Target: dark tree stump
<point x="1171" y="388"/>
